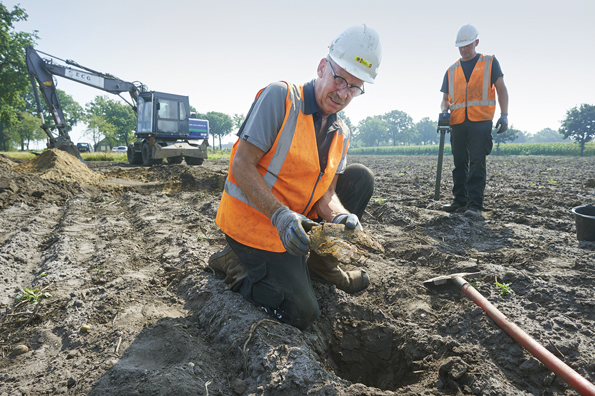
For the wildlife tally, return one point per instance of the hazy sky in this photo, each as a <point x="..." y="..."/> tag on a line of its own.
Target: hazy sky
<point x="220" y="53"/>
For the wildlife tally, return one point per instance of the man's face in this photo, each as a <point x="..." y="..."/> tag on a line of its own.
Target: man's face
<point x="468" y="51"/>
<point x="328" y="98"/>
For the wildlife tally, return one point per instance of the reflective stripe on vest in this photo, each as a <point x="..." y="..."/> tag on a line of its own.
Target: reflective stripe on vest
<point x="290" y="170"/>
<point x="284" y="143"/>
<point x="477" y="96"/>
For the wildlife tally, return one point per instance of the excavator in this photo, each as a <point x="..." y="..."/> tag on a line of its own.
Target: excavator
<point x="165" y="127"/>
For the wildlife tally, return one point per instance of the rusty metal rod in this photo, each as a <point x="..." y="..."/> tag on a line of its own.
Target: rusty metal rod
<point x="439" y="167"/>
<point x="562" y="370"/>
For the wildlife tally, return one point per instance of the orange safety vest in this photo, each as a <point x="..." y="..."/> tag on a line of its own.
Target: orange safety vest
<point x="291" y="169"/>
<point x="477" y="96"/>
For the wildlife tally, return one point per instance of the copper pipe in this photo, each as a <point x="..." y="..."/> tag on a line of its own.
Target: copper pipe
<point x="571" y="377"/>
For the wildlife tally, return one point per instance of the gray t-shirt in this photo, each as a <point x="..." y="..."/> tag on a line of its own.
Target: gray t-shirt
<point x="265" y="118"/>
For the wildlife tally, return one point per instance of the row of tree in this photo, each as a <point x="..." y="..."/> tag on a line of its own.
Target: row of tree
<point x="397" y="128"/>
<point x="13" y="77"/>
<point x="392" y="129"/>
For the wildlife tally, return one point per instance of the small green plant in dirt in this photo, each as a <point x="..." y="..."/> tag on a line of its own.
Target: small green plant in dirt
<point x="505" y="289"/>
<point x="552" y="181"/>
<point x="379" y="200"/>
<point x="202" y="238"/>
<point x="32" y="295"/>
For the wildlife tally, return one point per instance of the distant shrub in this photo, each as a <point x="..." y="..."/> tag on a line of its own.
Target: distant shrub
<point x="400" y="150"/>
<point x="565" y="149"/>
<point x="551" y="149"/>
<point x="19" y="154"/>
<point x="104" y="156"/>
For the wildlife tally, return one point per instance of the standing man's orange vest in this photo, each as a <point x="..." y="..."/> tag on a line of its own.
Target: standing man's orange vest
<point x="477" y="96"/>
<point x="291" y="169"/>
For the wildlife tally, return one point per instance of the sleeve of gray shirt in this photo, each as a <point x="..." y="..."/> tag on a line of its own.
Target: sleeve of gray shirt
<point x="265" y="118"/>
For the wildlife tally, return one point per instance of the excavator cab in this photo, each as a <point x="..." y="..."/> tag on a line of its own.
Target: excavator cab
<point x="162" y="115"/>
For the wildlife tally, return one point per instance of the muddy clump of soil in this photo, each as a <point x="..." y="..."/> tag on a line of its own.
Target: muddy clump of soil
<point x="127" y="256"/>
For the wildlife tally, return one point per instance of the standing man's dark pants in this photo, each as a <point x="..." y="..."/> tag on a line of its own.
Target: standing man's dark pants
<point x="355" y="188"/>
<point x="471" y="142"/>
<point x="279" y="282"/>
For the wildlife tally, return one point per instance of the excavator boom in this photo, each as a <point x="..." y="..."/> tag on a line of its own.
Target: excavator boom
<point x="41" y="74"/>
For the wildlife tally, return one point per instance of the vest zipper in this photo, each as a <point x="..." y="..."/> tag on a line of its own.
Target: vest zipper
<point x="314" y="190"/>
<point x="466" y="100"/>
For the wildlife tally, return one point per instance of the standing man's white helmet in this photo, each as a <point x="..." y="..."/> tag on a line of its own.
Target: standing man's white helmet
<point x="358" y="51"/>
<point x="466" y="35"/>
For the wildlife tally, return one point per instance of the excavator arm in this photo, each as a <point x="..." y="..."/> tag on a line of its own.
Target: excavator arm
<point x="42" y="72"/>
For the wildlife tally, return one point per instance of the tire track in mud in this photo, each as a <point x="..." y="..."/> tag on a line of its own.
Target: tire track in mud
<point x="24" y="230"/>
<point x="172" y="242"/>
<point x="66" y="252"/>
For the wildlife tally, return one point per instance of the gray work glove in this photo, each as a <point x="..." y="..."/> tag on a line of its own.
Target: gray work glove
<point x="349" y="219"/>
<point x="292" y="233"/>
<point x="502" y="123"/>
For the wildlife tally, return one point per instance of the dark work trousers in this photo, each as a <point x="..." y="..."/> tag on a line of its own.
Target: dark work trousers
<point x="280" y="283"/>
<point x="471" y="142"/>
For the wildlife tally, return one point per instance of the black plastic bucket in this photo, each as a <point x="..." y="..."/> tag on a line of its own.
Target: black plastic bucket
<point x="585" y="222"/>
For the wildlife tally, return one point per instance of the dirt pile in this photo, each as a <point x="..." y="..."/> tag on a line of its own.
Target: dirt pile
<point x="58" y="165"/>
<point x="30" y="188"/>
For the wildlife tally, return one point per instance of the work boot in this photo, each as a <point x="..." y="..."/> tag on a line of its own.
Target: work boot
<point x="326" y="269"/>
<point x="227" y="263"/>
<point x="473" y="212"/>
<point x="454" y="206"/>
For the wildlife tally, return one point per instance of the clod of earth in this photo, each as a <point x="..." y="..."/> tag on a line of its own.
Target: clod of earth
<point x="20" y="349"/>
<point x="344" y="244"/>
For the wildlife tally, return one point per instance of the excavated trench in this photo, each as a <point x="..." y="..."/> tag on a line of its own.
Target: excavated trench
<point x="374" y="355"/>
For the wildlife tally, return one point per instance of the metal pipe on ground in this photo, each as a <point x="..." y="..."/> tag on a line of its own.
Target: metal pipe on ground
<point x="561" y="369"/>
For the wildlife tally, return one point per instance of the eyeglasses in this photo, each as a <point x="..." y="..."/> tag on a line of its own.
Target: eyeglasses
<point x="341" y="83"/>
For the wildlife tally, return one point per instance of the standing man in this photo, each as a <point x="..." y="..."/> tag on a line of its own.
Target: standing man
<point x="288" y="169"/>
<point x="468" y="92"/>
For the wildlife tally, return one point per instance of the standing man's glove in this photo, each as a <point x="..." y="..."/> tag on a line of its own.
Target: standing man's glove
<point x="349" y="219"/>
<point x="502" y="123"/>
<point x="289" y="225"/>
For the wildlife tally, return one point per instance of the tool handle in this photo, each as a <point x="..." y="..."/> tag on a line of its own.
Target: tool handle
<point x="439" y="167"/>
<point x="562" y="370"/>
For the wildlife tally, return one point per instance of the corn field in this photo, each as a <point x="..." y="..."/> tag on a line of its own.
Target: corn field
<point x="549" y="149"/>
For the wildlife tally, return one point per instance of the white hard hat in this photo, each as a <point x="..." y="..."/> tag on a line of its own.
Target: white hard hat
<point x="466" y="35"/>
<point x="358" y="51"/>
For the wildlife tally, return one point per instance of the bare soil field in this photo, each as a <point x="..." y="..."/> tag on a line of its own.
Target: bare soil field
<point x="133" y="309"/>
